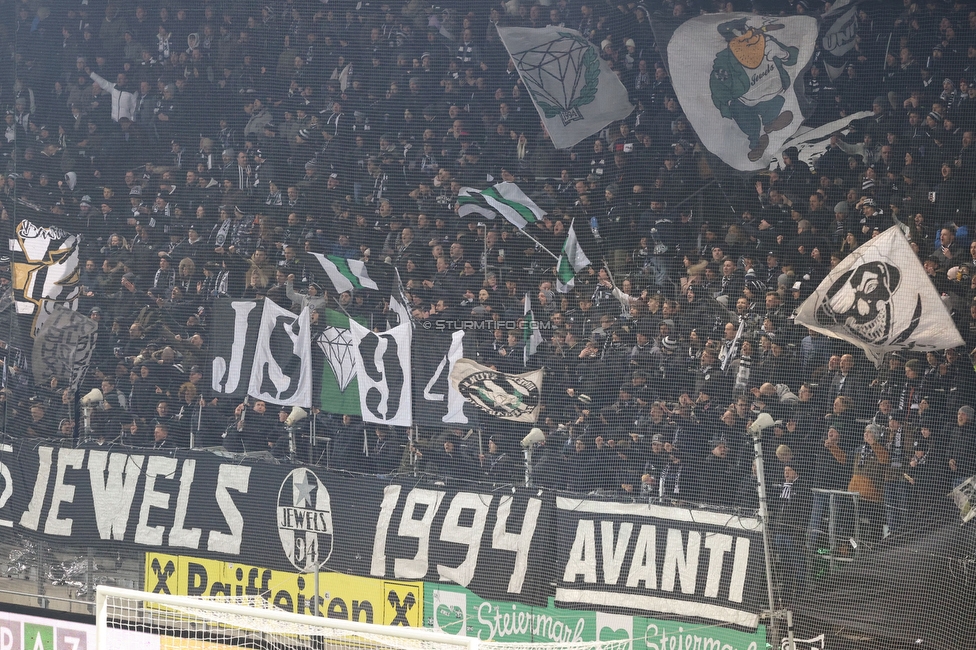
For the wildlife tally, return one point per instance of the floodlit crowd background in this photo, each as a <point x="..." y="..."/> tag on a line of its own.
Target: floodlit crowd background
<point x="204" y="150"/>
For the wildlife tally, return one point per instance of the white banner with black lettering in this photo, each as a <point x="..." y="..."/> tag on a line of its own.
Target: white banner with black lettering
<point x="383" y="374"/>
<point x="640" y="557"/>
<point x="281" y="372"/>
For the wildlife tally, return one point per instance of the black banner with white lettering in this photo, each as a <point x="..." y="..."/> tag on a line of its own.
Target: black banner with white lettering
<point x="277" y="516"/>
<point x="233" y="356"/>
<point x="144" y="500"/>
<point x="689" y="564"/>
<point x="502" y="545"/>
<point x="436" y="402"/>
<point x="497" y="544"/>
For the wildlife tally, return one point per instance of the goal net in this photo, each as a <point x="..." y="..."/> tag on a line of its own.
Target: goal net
<point x="211" y="624"/>
<point x="220" y="623"/>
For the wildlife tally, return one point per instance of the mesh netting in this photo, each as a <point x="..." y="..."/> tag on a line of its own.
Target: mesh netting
<point x="195" y="620"/>
<point x="387" y="290"/>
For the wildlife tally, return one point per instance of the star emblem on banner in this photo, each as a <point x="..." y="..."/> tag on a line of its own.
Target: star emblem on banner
<point x="304" y="489"/>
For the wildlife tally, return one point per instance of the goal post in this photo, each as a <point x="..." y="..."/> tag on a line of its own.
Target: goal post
<point x="211" y="623"/>
<point x="223" y="623"/>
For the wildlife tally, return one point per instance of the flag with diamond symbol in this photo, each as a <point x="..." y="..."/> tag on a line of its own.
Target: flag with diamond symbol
<point x="573" y="89"/>
<point x="340" y="391"/>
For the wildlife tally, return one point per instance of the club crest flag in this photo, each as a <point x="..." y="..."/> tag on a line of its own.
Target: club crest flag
<point x="573" y="89"/>
<point x="44" y="270"/>
<point x="880" y="299"/>
<point x="510" y="397"/>
<point x="739" y="79"/>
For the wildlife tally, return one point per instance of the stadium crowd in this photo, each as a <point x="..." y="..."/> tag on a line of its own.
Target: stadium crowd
<point x="204" y="150"/>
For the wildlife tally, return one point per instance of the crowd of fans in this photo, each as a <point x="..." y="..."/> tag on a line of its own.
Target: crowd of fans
<point x="203" y="150"/>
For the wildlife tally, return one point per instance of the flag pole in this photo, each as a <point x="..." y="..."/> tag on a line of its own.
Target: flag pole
<point x="484" y="249"/>
<point x="884" y="68"/>
<point x="606" y="265"/>
<point x="339" y="305"/>
<point x="538" y="243"/>
<point x="695" y="193"/>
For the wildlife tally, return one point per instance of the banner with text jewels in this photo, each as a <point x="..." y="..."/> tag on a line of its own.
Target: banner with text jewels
<point x="194" y="512"/>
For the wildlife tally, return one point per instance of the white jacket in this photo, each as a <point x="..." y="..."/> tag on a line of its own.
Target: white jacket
<point x="124" y="102"/>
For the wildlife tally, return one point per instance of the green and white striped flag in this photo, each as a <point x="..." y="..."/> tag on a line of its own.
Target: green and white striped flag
<point x="531" y="334"/>
<point x="346" y="275"/>
<point x="506" y="199"/>
<point x="571" y="261"/>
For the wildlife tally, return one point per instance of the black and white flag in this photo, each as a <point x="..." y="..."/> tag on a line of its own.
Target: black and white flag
<point x="437" y="401"/>
<point x="880" y="299"/>
<point x="233" y="355"/>
<point x="44" y="270"/>
<point x="383" y="373"/>
<point x="269" y="355"/>
<point x="838" y="33"/>
<point x="63" y="347"/>
<point x="281" y="372"/>
<point x="510" y="397"/>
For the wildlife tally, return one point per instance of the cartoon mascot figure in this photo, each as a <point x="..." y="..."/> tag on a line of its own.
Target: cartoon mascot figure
<point x="749" y="78"/>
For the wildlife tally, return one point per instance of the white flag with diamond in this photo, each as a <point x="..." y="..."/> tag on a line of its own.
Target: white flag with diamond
<point x="573" y="89"/>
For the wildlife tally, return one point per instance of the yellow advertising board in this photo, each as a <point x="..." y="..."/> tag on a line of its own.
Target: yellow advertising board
<point x="351" y="598"/>
<point x="172" y="643"/>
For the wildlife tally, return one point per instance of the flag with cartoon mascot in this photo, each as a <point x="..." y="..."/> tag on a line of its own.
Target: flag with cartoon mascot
<point x="738" y="78"/>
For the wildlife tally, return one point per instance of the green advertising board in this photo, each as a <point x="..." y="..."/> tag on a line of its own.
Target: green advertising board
<point x="455" y="610"/>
